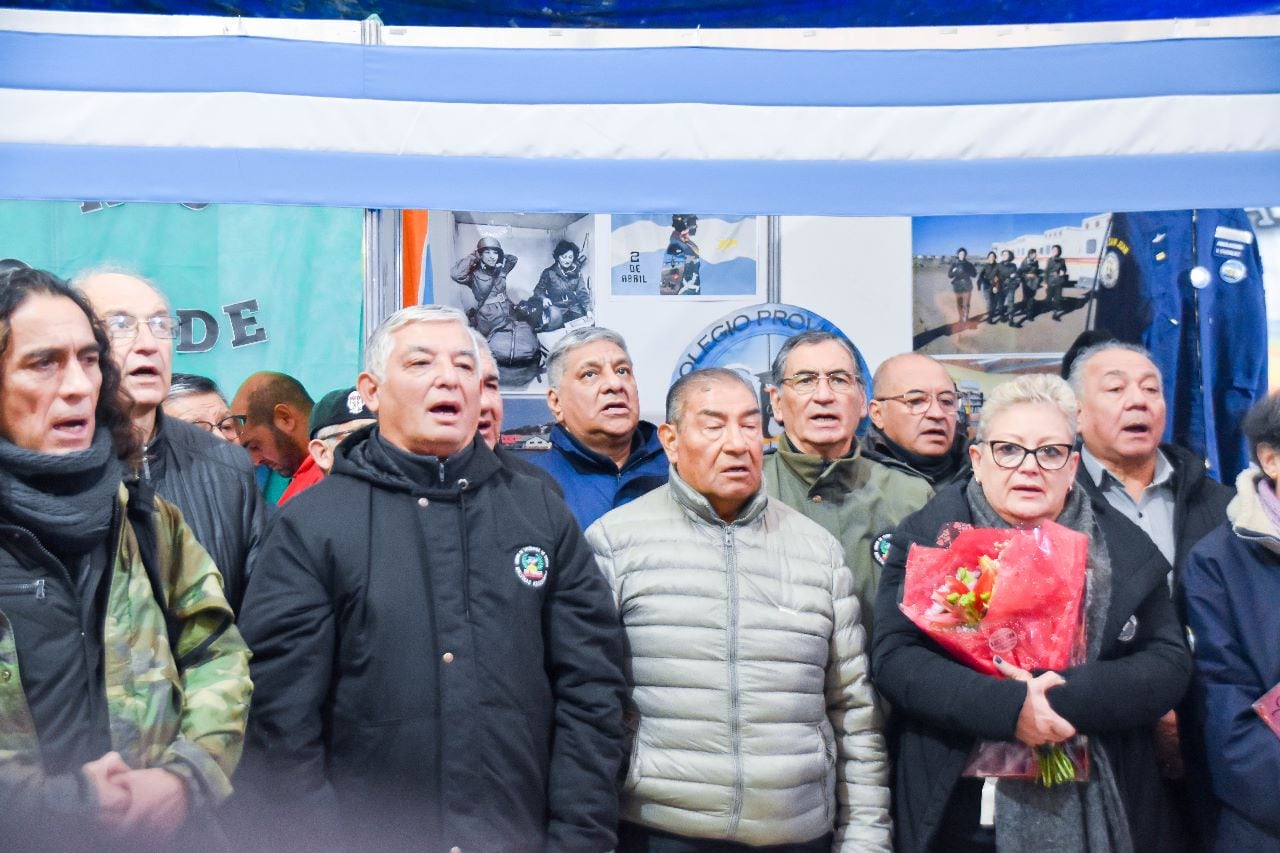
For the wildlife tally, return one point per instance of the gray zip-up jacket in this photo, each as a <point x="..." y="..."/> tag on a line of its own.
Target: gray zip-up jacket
<point x="752" y="715"/>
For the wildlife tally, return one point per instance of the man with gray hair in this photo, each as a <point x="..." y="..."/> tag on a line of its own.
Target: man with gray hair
<point x="1160" y="487"/>
<point x="210" y="480"/>
<point x="436" y="656"/>
<point x="754" y="723"/>
<point x="601" y="453"/>
<point x="818" y="467"/>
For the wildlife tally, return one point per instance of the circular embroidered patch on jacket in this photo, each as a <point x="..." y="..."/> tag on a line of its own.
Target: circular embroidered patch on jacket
<point x="880" y="547"/>
<point x="532" y="565"/>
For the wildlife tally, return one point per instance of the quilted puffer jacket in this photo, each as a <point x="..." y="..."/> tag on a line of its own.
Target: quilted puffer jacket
<point x="752" y="714"/>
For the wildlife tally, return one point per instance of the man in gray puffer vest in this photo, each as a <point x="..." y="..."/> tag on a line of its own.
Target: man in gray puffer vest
<point x="752" y="718"/>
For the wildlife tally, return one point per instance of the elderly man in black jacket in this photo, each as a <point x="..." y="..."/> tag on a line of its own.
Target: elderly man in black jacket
<point x="209" y="479"/>
<point x="1160" y="487"/>
<point x="436" y="655"/>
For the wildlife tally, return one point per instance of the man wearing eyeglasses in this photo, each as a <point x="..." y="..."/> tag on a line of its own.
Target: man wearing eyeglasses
<point x="818" y="466"/>
<point x="210" y="480"/>
<point x="913" y="419"/>
<point x="198" y="401"/>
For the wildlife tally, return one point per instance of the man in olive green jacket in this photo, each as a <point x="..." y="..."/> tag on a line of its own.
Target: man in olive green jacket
<point x="818" y="468"/>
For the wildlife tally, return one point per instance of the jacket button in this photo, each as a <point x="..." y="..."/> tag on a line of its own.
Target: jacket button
<point x="5" y="675"/>
<point x="447" y="657"/>
<point x="423" y="501"/>
<point x="817" y="499"/>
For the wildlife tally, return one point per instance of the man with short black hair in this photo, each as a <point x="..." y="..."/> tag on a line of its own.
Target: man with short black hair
<point x="915" y="417"/>
<point x="818" y="467"/>
<point x="754" y="721"/>
<point x="602" y="454"/>
<point x="277" y="411"/>
<point x="210" y="480"/>
<point x="437" y="659"/>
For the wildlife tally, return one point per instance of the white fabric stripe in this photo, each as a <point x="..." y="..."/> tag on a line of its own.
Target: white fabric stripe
<point x="867" y="38"/>
<point x="1139" y="126"/>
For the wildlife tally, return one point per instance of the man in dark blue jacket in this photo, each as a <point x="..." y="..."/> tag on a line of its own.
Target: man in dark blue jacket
<point x="601" y="452"/>
<point x="436" y="655"/>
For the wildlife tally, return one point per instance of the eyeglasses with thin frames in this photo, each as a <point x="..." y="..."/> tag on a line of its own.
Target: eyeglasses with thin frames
<point x="1009" y="454"/>
<point x="122" y="327"/>
<point x="806" y="382"/>
<point x="917" y="402"/>
<point x="231" y="426"/>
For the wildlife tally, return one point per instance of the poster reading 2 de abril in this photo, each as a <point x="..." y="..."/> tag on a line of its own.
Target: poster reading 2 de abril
<point x="686" y="255"/>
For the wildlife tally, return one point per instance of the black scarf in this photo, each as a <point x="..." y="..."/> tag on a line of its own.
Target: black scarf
<point x="936" y="469"/>
<point x="66" y="500"/>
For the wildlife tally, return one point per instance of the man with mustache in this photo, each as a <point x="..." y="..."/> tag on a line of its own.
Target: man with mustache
<point x="209" y="479"/>
<point x="437" y="658"/>
<point x="124" y="685"/>
<point x="818" y="467"/>
<point x="601" y="453"/>
<point x="754" y="723"/>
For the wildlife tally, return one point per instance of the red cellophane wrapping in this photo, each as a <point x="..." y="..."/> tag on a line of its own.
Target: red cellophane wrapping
<point x="1032" y="619"/>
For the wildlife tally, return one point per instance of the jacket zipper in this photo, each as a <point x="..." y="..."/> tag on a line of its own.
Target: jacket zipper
<point x="36" y="586"/>
<point x="735" y="734"/>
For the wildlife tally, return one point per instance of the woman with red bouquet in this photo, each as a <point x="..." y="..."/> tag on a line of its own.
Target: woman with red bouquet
<point x="1137" y="665"/>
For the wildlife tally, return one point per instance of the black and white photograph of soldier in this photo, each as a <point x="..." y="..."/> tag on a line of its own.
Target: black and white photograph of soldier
<point x="1023" y="253"/>
<point x="565" y="285"/>
<point x="484" y="272"/>
<point x="523" y="280"/>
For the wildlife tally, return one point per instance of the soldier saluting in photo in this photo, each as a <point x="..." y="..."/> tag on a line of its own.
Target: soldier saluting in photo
<point x="484" y="272"/>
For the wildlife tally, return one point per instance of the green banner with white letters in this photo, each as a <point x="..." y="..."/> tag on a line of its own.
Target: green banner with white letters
<point x="256" y="287"/>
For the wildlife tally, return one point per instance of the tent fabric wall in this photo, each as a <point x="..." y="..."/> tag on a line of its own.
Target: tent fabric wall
<point x="1116" y="124"/>
<point x="691" y="13"/>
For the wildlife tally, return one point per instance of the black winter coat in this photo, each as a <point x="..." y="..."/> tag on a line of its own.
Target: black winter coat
<point x="436" y="664"/>
<point x="211" y="481"/>
<point x="941" y="707"/>
<point x="1200" y="505"/>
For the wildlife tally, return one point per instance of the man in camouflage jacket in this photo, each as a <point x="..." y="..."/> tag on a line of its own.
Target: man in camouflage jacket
<point x="112" y="734"/>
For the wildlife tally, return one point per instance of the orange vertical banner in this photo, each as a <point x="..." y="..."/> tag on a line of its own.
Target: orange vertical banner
<point x="413" y="239"/>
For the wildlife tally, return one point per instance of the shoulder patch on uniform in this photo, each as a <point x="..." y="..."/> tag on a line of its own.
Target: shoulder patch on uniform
<point x="880" y="547"/>
<point x="532" y="565"/>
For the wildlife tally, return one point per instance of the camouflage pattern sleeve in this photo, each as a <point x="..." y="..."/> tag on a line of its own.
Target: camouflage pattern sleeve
<point x="215" y="678"/>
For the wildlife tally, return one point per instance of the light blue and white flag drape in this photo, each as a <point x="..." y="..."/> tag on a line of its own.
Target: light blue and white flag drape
<point x="1124" y="116"/>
